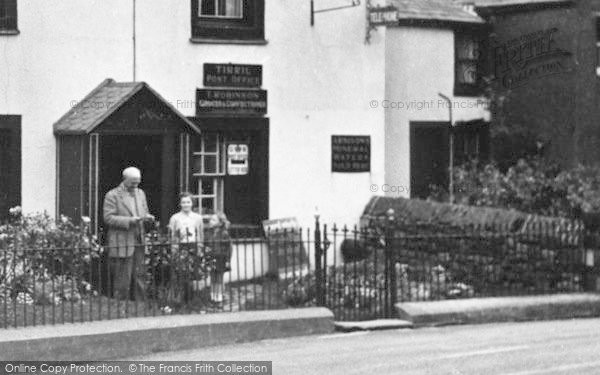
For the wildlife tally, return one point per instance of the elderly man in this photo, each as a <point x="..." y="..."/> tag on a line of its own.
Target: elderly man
<point x="125" y="211"/>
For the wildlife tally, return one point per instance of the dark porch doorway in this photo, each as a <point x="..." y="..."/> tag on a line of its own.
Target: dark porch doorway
<point x="118" y="152"/>
<point x="429" y="157"/>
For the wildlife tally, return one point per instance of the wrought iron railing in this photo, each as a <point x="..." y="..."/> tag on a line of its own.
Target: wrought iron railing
<point x="359" y="273"/>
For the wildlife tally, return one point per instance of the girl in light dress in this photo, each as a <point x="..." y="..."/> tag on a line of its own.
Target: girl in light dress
<point x="186" y="232"/>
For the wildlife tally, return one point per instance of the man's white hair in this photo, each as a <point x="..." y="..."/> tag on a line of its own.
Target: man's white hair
<point x="132" y="172"/>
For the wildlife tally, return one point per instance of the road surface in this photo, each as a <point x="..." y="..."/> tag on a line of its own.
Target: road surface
<point x="556" y="347"/>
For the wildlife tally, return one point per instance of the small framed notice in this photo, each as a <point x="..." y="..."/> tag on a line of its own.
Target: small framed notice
<point x="350" y="153"/>
<point x="237" y="159"/>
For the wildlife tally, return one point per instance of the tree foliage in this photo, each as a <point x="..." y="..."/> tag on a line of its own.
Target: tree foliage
<point x="532" y="185"/>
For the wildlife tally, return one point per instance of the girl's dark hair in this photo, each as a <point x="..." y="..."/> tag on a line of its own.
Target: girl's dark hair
<point x="185" y="194"/>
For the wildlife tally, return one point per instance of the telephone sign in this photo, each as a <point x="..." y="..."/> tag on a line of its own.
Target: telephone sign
<point x="237" y="159"/>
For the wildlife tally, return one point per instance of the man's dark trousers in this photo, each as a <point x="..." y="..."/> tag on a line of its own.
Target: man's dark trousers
<point x="128" y="276"/>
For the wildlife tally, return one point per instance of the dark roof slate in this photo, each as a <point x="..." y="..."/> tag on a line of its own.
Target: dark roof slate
<point x="101" y="102"/>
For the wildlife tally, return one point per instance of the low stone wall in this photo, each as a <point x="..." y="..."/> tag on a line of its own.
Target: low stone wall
<point x="443" y="214"/>
<point x="454" y="251"/>
<point x="415" y="216"/>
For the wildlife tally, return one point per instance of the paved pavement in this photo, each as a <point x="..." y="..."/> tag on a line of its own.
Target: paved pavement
<point x="551" y="347"/>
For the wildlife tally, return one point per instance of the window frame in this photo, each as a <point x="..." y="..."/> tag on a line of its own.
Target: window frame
<point x="10" y="24"/>
<point x="462" y="88"/>
<point x="223" y="30"/>
<point x="219" y="155"/>
<point x="199" y="150"/>
<point x="217" y="196"/>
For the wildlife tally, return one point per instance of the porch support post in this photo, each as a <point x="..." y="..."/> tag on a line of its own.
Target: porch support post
<point x="184" y="162"/>
<point x="93" y="178"/>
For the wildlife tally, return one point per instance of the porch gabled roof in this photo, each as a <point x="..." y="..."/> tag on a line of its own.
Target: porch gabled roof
<point x="103" y="101"/>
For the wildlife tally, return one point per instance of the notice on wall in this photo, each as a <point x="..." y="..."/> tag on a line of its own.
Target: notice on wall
<point x="287" y="254"/>
<point x="383" y="16"/>
<point x="232" y="75"/>
<point x="224" y="101"/>
<point x="350" y="153"/>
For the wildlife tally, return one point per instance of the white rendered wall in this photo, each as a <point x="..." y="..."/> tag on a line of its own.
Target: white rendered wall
<point x="320" y="81"/>
<point x="419" y="65"/>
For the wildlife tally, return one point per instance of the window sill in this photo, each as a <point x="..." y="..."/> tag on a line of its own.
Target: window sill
<point x="10" y="32"/>
<point x="468" y="91"/>
<point x="256" y="42"/>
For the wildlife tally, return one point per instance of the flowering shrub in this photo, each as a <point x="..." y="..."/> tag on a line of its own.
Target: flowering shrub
<point x="45" y="261"/>
<point x="531" y="185"/>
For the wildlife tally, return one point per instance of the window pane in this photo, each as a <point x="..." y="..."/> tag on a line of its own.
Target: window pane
<point x="210" y="164"/>
<point x="208" y="7"/>
<point x="208" y="204"/>
<point x="197" y="164"/>
<point x="207" y="186"/>
<point x="222" y="8"/>
<point x="195" y="202"/>
<point x="467" y="72"/>
<point x="234" y="8"/>
<point x="467" y="48"/>
<point x="210" y="142"/>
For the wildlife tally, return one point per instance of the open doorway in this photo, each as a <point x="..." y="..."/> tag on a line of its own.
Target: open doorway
<point x="429" y="157"/>
<point x="10" y="163"/>
<point x="118" y="152"/>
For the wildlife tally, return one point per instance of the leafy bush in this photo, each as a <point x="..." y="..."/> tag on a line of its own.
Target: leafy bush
<point x="531" y="185"/>
<point x="45" y="261"/>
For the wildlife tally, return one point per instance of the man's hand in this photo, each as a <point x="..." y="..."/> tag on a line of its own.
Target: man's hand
<point x="135" y="220"/>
